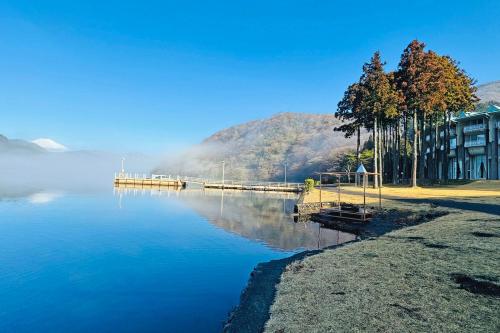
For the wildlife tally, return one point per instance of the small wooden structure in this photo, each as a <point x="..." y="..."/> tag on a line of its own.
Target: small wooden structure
<point x="349" y="212"/>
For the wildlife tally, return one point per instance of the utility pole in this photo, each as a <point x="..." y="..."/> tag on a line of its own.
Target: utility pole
<point x="223" y="163"/>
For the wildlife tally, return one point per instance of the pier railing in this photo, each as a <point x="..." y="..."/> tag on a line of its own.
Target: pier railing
<point x="232" y="182"/>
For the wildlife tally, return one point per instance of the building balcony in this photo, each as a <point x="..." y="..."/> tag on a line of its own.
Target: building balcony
<point x="453" y="145"/>
<point x="474" y="143"/>
<point x="474" y="128"/>
<point x="453" y="132"/>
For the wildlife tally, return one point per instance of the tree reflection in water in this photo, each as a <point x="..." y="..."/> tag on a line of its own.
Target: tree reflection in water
<point x="261" y="216"/>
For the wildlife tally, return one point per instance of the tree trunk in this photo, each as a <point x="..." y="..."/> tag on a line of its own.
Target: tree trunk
<point x="446" y="146"/>
<point x="415" y="152"/>
<point x="375" y="152"/>
<point x="358" y="155"/>
<point x="430" y="161"/>
<point x="422" y="136"/>
<point x="358" y="144"/>
<point x="405" y="149"/>
<point x="381" y="155"/>
<point x="395" y="156"/>
<point x="434" y="149"/>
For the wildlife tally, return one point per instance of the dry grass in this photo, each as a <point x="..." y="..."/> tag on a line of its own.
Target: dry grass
<point x="480" y="191"/>
<point x="400" y="282"/>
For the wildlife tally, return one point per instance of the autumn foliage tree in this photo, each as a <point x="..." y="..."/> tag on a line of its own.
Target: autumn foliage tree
<point x="400" y="108"/>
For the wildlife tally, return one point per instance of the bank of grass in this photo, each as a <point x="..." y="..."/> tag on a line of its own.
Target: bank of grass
<point x="441" y="276"/>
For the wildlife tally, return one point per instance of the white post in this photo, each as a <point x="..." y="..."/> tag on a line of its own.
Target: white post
<point x="123" y="168"/>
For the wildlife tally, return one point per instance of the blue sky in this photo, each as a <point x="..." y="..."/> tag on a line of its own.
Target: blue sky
<point x="156" y="75"/>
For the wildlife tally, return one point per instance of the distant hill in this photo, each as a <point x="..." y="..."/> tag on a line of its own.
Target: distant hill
<point x="257" y="150"/>
<point x="18" y="146"/>
<point x="489" y="92"/>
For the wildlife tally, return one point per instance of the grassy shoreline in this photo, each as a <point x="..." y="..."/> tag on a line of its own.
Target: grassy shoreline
<point x="437" y="276"/>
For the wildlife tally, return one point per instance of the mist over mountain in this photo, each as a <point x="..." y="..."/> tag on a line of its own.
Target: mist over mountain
<point x="26" y="165"/>
<point x="489" y="92"/>
<point x="17" y="146"/>
<point x="257" y="150"/>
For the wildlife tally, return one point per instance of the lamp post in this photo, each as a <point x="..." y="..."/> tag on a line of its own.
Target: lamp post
<point x="285" y="171"/>
<point x="223" y="164"/>
<point x="122" y="173"/>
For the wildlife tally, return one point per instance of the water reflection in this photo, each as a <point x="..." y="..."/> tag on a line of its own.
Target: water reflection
<point x="77" y="262"/>
<point x="44" y="197"/>
<point x="33" y="195"/>
<point x="261" y="216"/>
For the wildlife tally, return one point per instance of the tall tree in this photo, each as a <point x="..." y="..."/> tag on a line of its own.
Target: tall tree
<point x="350" y="109"/>
<point x="425" y="92"/>
<point x="412" y="82"/>
<point x="459" y="96"/>
<point x="380" y="103"/>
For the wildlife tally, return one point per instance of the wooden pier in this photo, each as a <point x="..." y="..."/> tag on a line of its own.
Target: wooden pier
<point x="246" y="185"/>
<point x="143" y="181"/>
<point x="181" y="182"/>
<point x="256" y="187"/>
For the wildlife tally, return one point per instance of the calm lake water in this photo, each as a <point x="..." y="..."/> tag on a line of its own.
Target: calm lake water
<point x="139" y="261"/>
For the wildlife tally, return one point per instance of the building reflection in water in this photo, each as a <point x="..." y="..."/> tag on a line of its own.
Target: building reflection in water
<point x="260" y="216"/>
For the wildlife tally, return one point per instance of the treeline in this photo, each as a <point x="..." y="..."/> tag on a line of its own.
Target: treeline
<point x="399" y="108"/>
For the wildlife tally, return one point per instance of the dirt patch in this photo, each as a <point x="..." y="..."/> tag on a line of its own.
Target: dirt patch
<point x="413" y="238"/>
<point x="435" y="245"/>
<point x="411" y="312"/>
<point x="476" y="286"/>
<point x="483" y="234"/>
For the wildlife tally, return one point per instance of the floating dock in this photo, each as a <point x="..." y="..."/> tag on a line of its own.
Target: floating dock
<point x="350" y="213"/>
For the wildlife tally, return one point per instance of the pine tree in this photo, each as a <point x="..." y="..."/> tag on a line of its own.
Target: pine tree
<point x="412" y="84"/>
<point x="380" y="104"/>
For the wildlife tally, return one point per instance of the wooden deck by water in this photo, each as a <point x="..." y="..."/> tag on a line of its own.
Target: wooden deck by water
<point x="182" y="182"/>
<point x="143" y="181"/>
<point x="256" y="187"/>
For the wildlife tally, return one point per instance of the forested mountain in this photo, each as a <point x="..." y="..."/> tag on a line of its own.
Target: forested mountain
<point x="258" y="150"/>
<point x="489" y="92"/>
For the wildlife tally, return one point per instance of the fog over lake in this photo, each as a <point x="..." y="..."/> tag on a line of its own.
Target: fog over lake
<point x="89" y="257"/>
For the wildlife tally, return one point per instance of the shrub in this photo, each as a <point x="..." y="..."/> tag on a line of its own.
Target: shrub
<point x="309" y="184"/>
